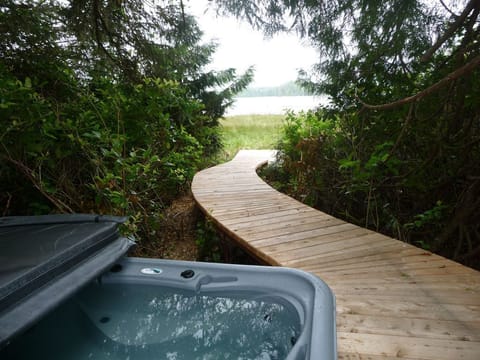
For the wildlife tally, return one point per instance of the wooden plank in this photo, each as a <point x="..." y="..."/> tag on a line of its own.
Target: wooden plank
<point x="289" y="229"/>
<point x="312" y="236"/>
<point x="410" y="273"/>
<point x="252" y="211"/>
<point x="237" y="204"/>
<point x="423" y="328"/>
<point x="382" y="254"/>
<point x="407" y="347"/>
<point x="408" y="309"/>
<point x="436" y="266"/>
<point x="356" y="356"/>
<point x="261" y="221"/>
<point x="412" y="261"/>
<point x="457" y="282"/>
<point x="329" y="235"/>
<point x="235" y="192"/>
<point x="370" y="242"/>
<point x="356" y="253"/>
<point x="313" y="256"/>
<point x="393" y="300"/>
<point x="273" y="215"/>
<point x="416" y="295"/>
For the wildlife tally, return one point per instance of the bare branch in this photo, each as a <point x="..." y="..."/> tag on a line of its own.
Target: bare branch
<point x="402" y="132"/>
<point x="7" y="205"/>
<point x="447" y="8"/>
<point x="60" y="205"/>
<point x="451" y="30"/>
<point x="464" y="70"/>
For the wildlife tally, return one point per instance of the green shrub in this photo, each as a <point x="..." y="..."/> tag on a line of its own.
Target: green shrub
<point x="113" y="149"/>
<point x="365" y="169"/>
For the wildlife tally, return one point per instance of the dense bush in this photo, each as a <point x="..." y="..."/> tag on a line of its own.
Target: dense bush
<point x="115" y="149"/>
<point x="105" y="107"/>
<point x="398" y="149"/>
<point x="349" y="165"/>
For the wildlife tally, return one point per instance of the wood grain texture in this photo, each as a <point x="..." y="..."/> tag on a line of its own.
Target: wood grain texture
<point x="394" y="300"/>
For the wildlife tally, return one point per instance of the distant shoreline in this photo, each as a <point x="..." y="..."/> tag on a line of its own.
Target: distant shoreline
<point x="274" y="105"/>
<point x="288" y="89"/>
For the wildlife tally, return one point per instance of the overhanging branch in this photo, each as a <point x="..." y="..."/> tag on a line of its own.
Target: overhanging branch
<point x="451" y="29"/>
<point x="464" y="70"/>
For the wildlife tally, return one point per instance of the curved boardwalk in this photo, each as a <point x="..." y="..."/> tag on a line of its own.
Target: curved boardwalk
<point x="394" y="300"/>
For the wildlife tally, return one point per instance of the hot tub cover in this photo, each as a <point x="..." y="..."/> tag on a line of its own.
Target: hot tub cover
<point x="45" y="259"/>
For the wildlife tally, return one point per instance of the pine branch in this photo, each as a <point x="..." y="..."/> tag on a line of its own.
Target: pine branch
<point x="451" y="30"/>
<point x="448" y="9"/>
<point x="29" y="174"/>
<point x="464" y="70"/>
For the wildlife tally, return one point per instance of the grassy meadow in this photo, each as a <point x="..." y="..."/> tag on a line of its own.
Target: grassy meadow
<point x="249" y="132"/>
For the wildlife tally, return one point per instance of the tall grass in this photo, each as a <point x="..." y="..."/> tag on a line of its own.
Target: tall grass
<point x="249" y="132"/>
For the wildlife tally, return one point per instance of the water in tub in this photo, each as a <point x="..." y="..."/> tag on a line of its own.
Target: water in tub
<point x="138" y="322"/>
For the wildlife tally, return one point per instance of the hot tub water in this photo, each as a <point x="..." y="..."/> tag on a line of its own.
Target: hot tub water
<point x="136" y="322"/>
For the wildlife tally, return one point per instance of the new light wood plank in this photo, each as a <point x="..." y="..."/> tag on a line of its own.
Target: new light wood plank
<point x="393" y="300"/>
<point x="423" y="328"/>
<point x="406" y="346"/>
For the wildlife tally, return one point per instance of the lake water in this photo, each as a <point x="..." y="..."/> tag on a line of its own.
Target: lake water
<point x="274" y="104"/>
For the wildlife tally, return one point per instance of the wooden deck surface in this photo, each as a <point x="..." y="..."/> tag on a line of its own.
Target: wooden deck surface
<point x="393" y="300"/>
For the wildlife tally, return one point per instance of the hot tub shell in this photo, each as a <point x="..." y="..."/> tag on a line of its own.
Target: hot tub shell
<point x="69" y="252"/>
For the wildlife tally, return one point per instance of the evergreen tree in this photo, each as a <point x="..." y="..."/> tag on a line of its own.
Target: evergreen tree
<point x="106" y="106"/>
<point x="399" y="150"/>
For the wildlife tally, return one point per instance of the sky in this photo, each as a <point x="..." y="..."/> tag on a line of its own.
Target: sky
<point x="276" y="60"/>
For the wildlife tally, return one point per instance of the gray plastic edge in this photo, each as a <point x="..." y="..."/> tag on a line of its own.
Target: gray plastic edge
<point x="325" y="302"/>
<point x="22" y="315"/>
<point x="59" y="219"/>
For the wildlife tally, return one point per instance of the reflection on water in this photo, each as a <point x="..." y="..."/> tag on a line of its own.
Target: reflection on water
<point x="147" y="322"/>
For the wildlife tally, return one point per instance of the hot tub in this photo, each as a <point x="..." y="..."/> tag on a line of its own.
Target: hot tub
<point x="158" y="309"/>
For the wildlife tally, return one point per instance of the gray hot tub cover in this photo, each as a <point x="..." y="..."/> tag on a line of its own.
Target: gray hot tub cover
<point x="45" y="259"/>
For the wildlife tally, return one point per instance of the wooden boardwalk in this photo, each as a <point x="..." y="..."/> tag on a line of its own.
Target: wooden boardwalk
<point x="394" y="300"/>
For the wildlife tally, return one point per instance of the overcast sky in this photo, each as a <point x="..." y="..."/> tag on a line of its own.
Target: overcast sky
<point x="276" y="60"/>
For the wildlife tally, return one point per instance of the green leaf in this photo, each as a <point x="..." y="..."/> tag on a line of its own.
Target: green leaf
<point x="348" y="164"/>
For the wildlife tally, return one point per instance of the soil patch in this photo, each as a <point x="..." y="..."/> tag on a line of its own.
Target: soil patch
<point x="177" y="237"/>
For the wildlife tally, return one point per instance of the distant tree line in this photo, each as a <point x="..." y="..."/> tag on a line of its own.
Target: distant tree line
<point x="287" y="89"/>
